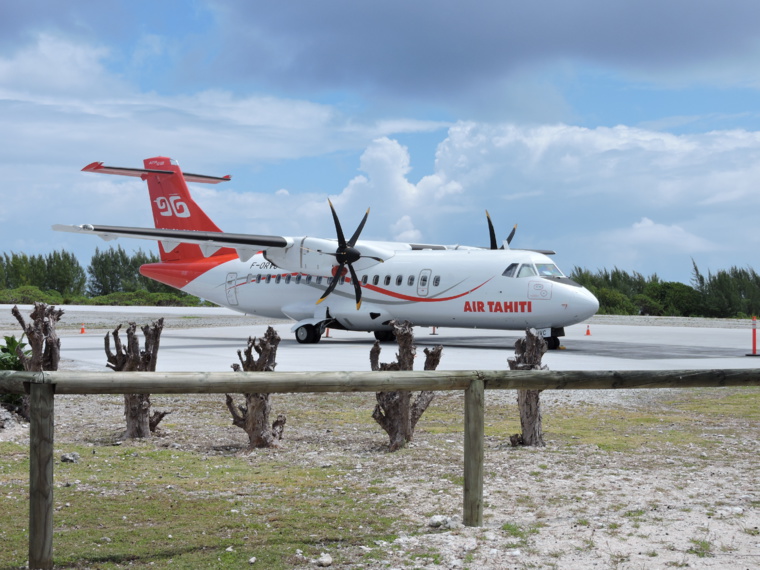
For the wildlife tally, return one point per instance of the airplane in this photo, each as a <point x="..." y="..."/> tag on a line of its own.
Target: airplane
<point x="341" y="283"/>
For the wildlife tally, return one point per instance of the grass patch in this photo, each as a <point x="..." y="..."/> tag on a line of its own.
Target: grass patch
<point x="521" y="533"/>
<point x="140" y="506"/>
<point x="701" y="547"/>
<point x="725" y="402"/>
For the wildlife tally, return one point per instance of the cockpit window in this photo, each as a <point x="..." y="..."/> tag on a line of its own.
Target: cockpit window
<point x="510" y="271"/>
<point x="548" y="270"/>
<point x="526" y="270"/>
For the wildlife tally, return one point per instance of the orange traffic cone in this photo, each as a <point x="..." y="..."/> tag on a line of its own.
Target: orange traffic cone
<point x="81" y="331"/>
<point x="588" y="330"/>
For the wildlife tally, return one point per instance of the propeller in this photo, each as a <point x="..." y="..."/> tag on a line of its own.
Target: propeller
<point x="346" y="255"/>
<point x="492" y="233"/>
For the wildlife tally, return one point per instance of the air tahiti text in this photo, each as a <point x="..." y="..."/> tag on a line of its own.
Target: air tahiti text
<point x="498" y="307"/>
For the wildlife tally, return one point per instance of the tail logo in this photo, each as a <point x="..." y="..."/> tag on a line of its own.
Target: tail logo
<point x="174" y="206"/>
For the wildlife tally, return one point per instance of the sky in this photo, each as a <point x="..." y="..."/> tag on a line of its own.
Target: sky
<point x="619" y="134"/>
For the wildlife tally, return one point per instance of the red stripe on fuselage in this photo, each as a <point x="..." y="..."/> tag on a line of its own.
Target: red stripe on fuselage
<point x="421" y="299"/>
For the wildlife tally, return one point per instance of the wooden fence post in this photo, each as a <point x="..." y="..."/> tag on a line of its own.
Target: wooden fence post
<point x="41" y="406"/>
<point x="474" y="429"/>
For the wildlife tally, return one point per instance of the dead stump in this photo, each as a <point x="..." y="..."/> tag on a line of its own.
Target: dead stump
<point x="140" y="422"/>
<point x="253" y="416"/>
<point x="395" y="412"/>
<point x="43" y="342"/>
<point x="528" y="354"/>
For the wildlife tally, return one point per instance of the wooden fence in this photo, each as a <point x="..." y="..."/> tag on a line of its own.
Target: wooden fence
<point x="43" y="386"/>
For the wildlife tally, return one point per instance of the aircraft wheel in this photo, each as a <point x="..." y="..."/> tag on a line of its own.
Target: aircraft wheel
<point x="552" y="342"/>
<point x="385" y="336"/>
<point x="307" y="334"/>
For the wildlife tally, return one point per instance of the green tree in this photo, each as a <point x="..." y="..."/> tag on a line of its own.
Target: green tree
<point x="17" y="270"/>
<point x="676" y="299"/>
<point x="728" y="293"/>
<point x="114" y="271"/>
<point x="109" y="271"/>
<point x="64" y="274"/>
<point x="612" y="302"/>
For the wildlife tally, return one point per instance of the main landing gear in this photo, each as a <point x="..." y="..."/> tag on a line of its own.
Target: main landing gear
<point x="308" y="334"/>
<point x="552" y="342"/>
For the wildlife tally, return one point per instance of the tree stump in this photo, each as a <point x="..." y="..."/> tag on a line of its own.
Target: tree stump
<point x="140" y="422"/>
<point x="43" y="342"/>
<point x="253" y="416"/>
<point x="528" y="354"/>
<point x="394" y="411"/>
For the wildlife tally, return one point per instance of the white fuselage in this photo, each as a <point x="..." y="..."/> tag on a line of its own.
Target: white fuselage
<point x="454" y="288"/>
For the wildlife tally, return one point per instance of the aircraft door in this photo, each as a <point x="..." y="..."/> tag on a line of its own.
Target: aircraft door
<point x="423" y="283"/>
<point x="232" y="289"/>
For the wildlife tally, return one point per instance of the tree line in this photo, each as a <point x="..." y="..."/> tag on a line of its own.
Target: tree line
<point x="732" y="293"/>
<point x="112" y="277"/>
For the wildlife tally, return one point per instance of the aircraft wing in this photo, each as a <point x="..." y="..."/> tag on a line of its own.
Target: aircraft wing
<point x="246" y="245"/>
<point x="311" y="253"/>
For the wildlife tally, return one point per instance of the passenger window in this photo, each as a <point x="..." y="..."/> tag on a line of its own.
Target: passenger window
<point x="375" y="279"/>
<point x="258" y="278"/>
<point x="399" y="280"/>
<point x="526" y="270"/>
<point x="364" y="279"/>
<point x="319" y="280"/>
<point x="436" y="280"/>
<point x="510" y="271"/>
<point x="278" y="279"/>
<point x="269" y="278"/>
<point x="423" y="280"/>
<point x="308" y="279"/>
<point x="298" y="279"/>
<point x="343" y="280"/>
<point x="387" y="280"/>
<point x="410" y="281"/>
<point x="287" y="279"/>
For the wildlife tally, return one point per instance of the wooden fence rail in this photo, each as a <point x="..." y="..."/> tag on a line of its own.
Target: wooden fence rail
<point x="43" y="386"/>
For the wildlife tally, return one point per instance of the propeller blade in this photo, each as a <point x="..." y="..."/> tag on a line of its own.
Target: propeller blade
<point x="357" y="286"/>
<point x="491" y="231"/>
<point x="333" y="283"/>
<point x="346" y="255"/>
<point x="338" y="229"/>
<point x="511" y="234"/>
<point x="352" y="241"/>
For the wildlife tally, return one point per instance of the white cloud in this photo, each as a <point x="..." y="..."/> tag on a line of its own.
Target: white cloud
<point x="53" y="67"/>
<point x="654" y="237"/>
<point x="404" y="230"/>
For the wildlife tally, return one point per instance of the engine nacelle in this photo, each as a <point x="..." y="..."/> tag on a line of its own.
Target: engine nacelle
<point x="313" y="256"/>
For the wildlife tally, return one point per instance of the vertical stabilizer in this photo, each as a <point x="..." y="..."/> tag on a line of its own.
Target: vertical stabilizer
<point x="174" y="208"/>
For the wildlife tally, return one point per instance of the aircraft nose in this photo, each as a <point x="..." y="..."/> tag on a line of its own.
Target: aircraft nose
<point x="588" y="303"/>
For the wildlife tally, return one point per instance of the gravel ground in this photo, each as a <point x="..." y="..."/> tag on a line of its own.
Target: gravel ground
<point x="570" y="505"/>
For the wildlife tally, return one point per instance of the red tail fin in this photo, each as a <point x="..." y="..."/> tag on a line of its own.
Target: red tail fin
<point x="174" y="208"/>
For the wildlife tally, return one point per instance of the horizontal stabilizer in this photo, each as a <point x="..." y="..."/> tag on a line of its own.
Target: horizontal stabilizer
<point x="100" y="168"/>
